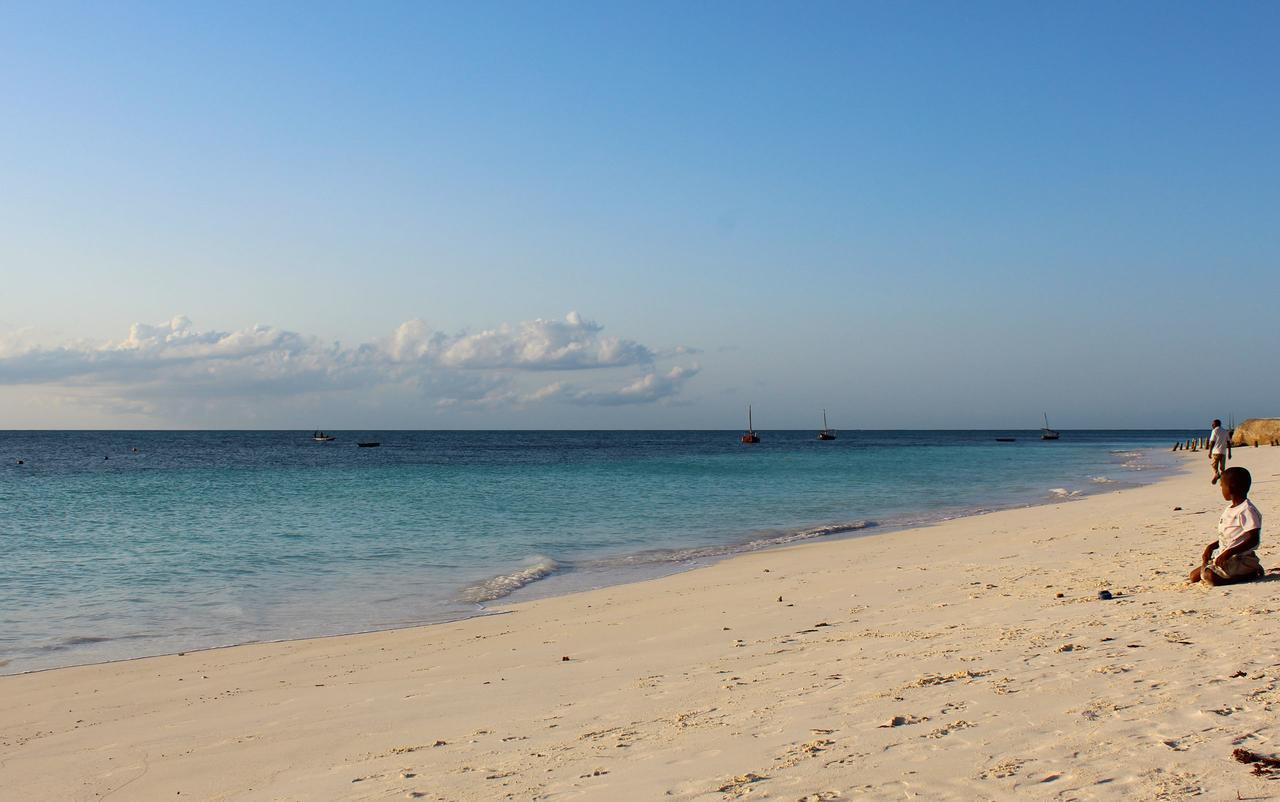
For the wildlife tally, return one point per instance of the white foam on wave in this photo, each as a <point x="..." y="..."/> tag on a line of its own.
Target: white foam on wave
<point x="806" y="534"/>
<point x="694" y="553"/>
<point x="1062" y="492"/>
<point x="505" y="584"/>
<point x="541" y="567"/>
<point x="1102" y="480"/>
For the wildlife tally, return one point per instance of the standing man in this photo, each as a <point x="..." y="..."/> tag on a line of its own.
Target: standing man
<point x="1219" y="449"/>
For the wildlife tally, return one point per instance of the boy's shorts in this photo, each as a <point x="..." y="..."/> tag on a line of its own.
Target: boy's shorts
<point x="1241" y="566"/>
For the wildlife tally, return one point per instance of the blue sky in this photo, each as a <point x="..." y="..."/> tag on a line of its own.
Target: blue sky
<point x="915" y="215"/>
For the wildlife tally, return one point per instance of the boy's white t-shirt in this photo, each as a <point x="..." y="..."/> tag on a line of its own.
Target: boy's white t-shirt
<point x="1219" y="441"/>
<point x="1235" y="522"/>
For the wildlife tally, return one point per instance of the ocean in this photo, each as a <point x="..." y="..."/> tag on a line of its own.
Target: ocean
<point x="122" y="544"/>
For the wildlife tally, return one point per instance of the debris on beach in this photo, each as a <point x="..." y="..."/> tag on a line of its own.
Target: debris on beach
<point x="1263" y="766"/>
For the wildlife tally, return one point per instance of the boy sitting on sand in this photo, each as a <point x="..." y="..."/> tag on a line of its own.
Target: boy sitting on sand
<point x="1239" y="532"/>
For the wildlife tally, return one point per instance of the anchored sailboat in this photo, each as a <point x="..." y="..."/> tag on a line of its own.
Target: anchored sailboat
<point x="750" y="436"/>
<point x="1046" y="433"/>
<point x="827" y="432"/>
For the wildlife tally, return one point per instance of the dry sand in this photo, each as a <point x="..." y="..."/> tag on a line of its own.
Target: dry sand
<point x="935" y="663"/>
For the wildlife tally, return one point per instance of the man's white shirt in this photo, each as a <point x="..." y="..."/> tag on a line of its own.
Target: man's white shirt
<point x="1219" y="441"/>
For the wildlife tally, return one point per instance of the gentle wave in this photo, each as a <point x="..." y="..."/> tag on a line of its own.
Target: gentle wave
<point x="75" y="641"/>
<point x="1102" y="480"/>
<point x="542" y="567"/>
<point x="659" y="556"/>
<point x="1062" y="492"/>
<point x="506" y="584"/>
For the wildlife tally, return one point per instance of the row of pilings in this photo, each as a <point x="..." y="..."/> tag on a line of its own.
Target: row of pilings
<point x="1197" y="443"/>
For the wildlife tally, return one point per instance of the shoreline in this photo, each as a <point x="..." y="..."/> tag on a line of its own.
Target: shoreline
<point x="685" y="685"/>
<point x="788" y="537"/>
<point x="645" y="566"/>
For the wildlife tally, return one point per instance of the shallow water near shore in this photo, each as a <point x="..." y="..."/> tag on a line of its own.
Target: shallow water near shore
<point x="122" y="544"/>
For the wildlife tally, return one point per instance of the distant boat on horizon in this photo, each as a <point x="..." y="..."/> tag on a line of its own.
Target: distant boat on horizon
<point x="827" y="432"/>
<point x="1046" y="433"/>
<point x="750" y="436"/>
<point x="321" y="437"/>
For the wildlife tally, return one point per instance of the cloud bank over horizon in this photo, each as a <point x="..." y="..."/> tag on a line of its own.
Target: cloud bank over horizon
<point x="173" y="371"/>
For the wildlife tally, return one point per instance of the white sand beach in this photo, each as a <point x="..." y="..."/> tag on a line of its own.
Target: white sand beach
<point x="967" y="660"/>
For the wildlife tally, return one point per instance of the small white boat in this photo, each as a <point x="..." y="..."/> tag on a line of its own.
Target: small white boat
<point x="321" y="437"/>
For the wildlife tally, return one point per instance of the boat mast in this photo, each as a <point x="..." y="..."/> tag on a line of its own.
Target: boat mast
<point x="824" y="420"/>
<point x="750" y="426"/>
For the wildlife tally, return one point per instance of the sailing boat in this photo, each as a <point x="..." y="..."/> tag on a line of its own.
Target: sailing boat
<point x="826" y="433"/>
<point x="750" y="436"/>
<point x="321" y="437"/>
<point x="1046" y="433"/>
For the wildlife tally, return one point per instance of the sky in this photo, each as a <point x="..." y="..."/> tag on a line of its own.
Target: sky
<point x="638" y="215"/>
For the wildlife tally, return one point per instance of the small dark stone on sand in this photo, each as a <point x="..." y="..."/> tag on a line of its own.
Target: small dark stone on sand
<point x="779" y="598"/>
<point x="564" y="659"/>
<point x="1058" y="595"/>
<point x="1104" y="595"/>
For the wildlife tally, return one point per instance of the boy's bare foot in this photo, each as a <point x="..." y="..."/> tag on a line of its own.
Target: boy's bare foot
<point x="1213" y="481"/>
<point x="1210" y="577"/>
<point x="1194" y="576"/>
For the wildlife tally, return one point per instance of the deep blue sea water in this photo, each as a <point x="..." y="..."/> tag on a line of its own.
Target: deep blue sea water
<point x="121" y="544"/>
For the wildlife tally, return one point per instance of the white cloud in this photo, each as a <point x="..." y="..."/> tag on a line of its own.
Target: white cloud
<point x="177" y="366"/>
<point x="569" y="344"/>
<point x="646" y="389"/>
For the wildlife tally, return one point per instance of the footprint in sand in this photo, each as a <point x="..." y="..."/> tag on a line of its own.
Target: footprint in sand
<point x="902" y="721"/>
<point x="739" y="784"/>
<point x="946" y="730"/>
<point x="1005" y="768"/>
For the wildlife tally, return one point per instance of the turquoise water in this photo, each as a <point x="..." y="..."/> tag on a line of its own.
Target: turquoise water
<point x="120" y="544"/>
